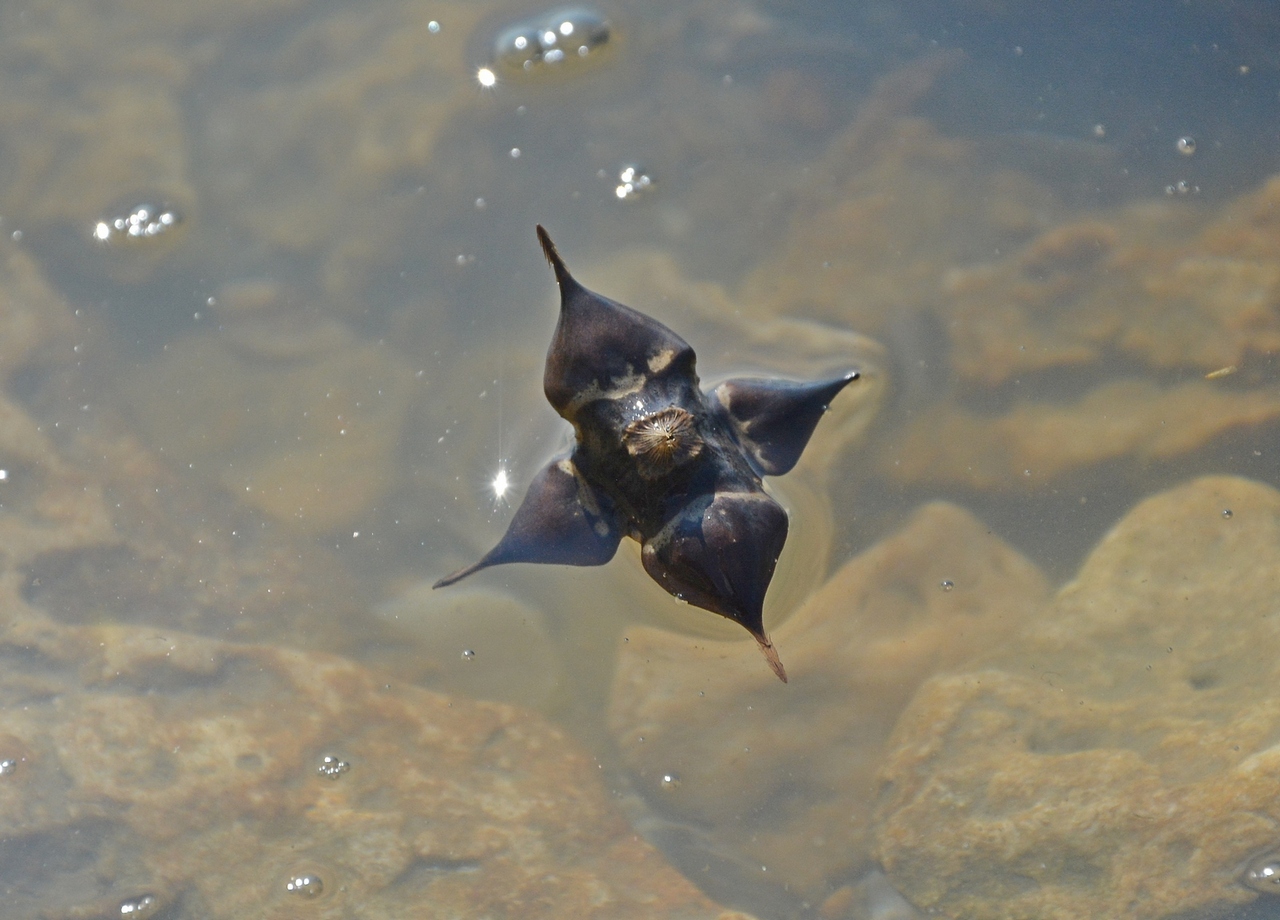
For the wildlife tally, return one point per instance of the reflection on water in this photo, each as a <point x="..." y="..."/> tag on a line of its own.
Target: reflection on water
<point x="273" y="318"/>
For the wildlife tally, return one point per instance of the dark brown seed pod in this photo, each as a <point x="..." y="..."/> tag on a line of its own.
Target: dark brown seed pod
<point x="711" y="538"/>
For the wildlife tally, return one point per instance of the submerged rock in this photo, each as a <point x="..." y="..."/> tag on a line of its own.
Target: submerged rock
<point x="173" y="773"/>
<point x="1195" y="292"/>
<point x="1137" y="422"/>
<point x="1036" y="336"/>
<point x="1120" y="754"/>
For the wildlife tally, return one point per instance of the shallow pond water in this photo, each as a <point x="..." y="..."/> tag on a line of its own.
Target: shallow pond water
<point x="272" y="326"/>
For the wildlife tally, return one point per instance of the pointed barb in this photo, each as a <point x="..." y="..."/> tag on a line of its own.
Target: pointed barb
<point x="771" y="656"/>
<point x="460" y="574"/>
<point x="553" y="256"/>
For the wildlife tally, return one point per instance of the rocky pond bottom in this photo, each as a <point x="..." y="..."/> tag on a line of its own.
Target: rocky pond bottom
<point x="1123" y="753"/>
<point x="953" y="731"/>
<point x="150" y="773"/>
<point x="995" y="751"/>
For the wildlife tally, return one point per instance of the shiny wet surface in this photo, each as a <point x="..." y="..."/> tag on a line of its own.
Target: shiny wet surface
<point x="273" y="327"/>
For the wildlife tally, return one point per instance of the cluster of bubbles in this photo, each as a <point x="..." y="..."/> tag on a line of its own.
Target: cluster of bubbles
<point x="140" y="907"/>
<point x="556" y="40"/>
<point x="142" y="222"/>
<point x="633" y="183"/>
<point x="332" y="767"/>
<point x="305" y="884"/>
<point x="1182" y="187"/>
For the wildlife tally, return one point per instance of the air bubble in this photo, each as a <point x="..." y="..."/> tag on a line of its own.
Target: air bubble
<point x="947" y="584"/>
<point x="468" y="654"/>
<point x="1186" y="146"/>
<point x="332" y="767"/>
<point x="7" y="767"/>
<point x="306" y="885"/>
<point x="670" y="781"/>
<point x="550" y="42"/>
<point x="1263" y="874"/>
<point x="1226" y="513"/>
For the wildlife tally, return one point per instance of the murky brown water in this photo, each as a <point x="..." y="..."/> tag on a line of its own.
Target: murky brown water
<point x="273" y="318"/>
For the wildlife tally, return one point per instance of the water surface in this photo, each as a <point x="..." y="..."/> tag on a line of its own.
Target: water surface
<point x="275" y="416"/>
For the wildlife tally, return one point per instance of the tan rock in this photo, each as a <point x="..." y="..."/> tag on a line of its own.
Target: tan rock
<point x="1033" y="443"/>
<point x="784" y="777"/>
<point x="161" y="765"/>
<point x="909" y="234"/>
<point x="1155" y="281"/>
<point x="1120" y="754"/>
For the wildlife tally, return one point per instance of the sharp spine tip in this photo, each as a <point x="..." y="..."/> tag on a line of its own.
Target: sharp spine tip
<point x="461" y="574"/>
<point x="771" y="656"/>
<point x="552" y="255"/>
